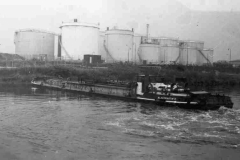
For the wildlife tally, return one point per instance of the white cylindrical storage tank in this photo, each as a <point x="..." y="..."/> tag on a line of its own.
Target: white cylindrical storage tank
<point x="34" y="43"/>
<point x="189" y="51"/>
<point x="169" y="54"/>
<point x="119" y="44"/>
<point x="150" y="54"/>
<point x="188" y="56"/>
<point x="79" y="39"/>
<point x="205" y="56"/>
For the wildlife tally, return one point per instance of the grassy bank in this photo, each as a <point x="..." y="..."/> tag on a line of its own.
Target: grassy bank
<point x="122" y="72"/>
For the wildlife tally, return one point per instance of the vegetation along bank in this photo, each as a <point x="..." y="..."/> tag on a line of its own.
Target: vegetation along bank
<point x="195" y="75"/>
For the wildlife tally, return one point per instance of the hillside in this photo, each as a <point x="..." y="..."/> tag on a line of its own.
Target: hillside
<point x="219" y="30"/>
<point x="10" y="57"/>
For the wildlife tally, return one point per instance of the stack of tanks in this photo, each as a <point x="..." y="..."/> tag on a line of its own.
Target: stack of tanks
<point x="76" y="40"/>
<point x="114" y="45"/>
<point x="158" y="50"/>
<point x="193" y="53"/>
<point x="173" y="51"/>
<point x="119" y="45"/>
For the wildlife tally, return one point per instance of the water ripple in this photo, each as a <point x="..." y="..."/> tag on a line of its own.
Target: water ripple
<point x="55" y="122"/>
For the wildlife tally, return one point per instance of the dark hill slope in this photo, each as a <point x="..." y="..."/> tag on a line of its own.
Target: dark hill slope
<point x="10" y="57"/>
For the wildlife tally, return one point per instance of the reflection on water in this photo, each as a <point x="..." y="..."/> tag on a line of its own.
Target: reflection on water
<point x="46" y="124"/>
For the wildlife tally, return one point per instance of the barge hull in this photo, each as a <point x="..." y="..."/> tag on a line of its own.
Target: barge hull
<point x="126" y="93"/>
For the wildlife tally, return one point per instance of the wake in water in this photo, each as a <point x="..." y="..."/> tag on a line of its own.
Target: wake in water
<point x="220" y="127"/>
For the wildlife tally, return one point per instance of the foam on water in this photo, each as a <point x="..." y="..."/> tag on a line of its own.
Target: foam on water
<point x="214" y="127"/>
<point x="237" y="130"/>
<point x="168" y="127"/>
<point x="150" y="124"/>
<point x="113" y="124"/>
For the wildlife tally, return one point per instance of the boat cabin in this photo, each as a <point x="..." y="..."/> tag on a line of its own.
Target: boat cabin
<point x="147" y="82"/>
<point x="153" y="84"/>
<point x="144" y="81"/>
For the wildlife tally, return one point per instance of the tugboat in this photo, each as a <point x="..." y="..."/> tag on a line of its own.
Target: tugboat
<point x="147" y="88"/>
<point x="153" y="88"/>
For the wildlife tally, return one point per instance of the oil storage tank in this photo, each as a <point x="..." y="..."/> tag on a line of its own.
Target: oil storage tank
<point x="205" y="57"/>
<point x="169" y="54"/>
<point x="188" y="56"/>
<point x="169" y="49"/>
<point x="189" y="51"/>
<point x="78" y="39"/>
<point x="119" y="44"/>
<point x="35" y="43"/>
<point x="159" y="50"/>
<point x="150" y="53"/>
<point x="156" y="54"/>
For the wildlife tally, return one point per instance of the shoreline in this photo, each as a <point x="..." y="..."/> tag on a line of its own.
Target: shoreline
<point x="121" y="72"/>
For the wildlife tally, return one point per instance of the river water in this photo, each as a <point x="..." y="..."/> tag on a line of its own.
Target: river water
<point x="42" y="124"/>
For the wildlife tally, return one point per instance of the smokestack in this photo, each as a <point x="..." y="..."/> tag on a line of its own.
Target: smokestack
<point x="132" y="29"/>
<point x="147" y="30"/>
<point x="107" y="28"/>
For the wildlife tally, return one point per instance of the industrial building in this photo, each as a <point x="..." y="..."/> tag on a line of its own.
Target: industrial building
<point x="92" y="59"/>
<point x="79" y="39"/>
<point x="36" y="44"/>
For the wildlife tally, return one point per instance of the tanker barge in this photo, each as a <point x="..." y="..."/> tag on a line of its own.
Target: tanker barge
<point x="145" y="89"/>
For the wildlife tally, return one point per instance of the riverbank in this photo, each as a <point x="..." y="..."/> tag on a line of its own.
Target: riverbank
<point x="207" y="76"/>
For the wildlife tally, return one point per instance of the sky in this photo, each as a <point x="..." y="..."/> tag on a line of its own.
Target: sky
<point x="204" y="5"/>
<point x="212" y="5"/>
<point x="49" y="14"/>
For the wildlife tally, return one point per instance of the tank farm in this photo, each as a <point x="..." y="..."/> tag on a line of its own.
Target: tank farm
<point x="114" y="45"/>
